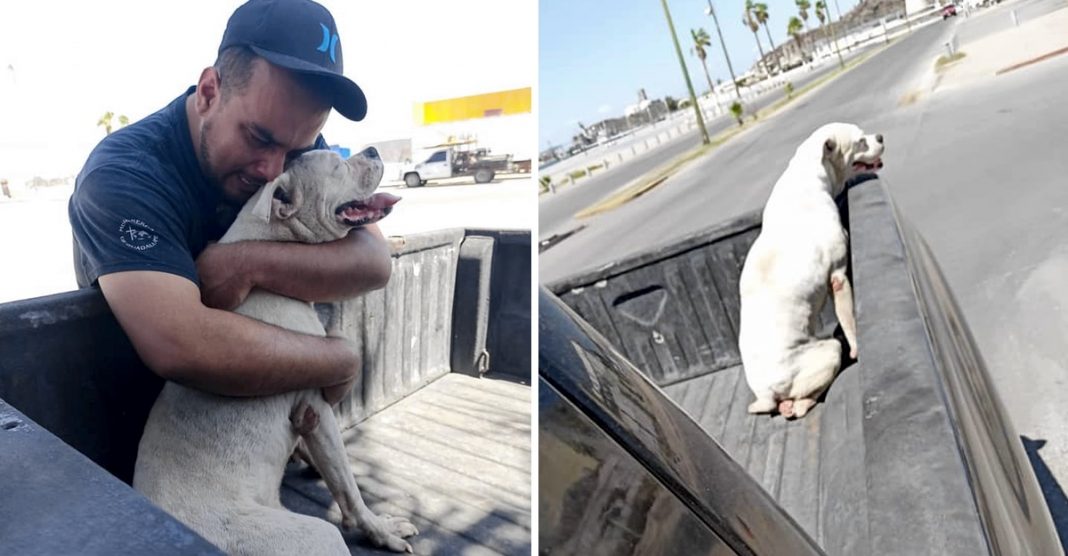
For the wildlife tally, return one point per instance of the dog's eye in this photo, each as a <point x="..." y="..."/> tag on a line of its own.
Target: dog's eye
<point x="281" y="195"/>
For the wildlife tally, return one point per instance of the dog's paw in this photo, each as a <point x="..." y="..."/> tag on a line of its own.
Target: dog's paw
<point x="786" y="408"/>
<point x="762" y="406"/>
<point x="389" y="532"/>
<point x="802" y="406"/>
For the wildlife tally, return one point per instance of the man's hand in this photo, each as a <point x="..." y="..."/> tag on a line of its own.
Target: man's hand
<point x="224" y="281"/>
<point x="336" y="393"/>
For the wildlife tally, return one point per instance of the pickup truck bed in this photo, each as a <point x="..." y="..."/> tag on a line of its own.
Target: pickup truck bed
<point x="909" y="451"/>
<point x="437" y="429"/>
<point x="454" y="456"/>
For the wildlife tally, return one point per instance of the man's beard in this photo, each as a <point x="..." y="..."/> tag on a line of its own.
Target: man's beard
<point x="205" y="159"/>
<point x="207" y="167"/>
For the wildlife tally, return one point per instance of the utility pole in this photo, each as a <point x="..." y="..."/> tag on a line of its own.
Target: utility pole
<point x="712" y="11"/>
<point x="686" y="74"/>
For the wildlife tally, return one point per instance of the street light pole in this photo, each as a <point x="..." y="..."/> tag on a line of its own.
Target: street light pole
<point x="686" y="74"/>
<point x="712" y="11"/>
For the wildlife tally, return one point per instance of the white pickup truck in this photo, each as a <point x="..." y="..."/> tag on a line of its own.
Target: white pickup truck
<point x="452" y="162"/>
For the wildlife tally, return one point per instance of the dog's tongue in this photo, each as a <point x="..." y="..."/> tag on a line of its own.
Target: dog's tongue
<point x="380" y="201"/>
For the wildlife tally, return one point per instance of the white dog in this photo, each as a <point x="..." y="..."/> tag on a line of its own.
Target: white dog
<point x="798" y="258"/>
<point x="216" y="463"/>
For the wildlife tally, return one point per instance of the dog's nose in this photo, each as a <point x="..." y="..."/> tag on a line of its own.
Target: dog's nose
<point x="370" y="152"/>
<point x="879" y="138"/>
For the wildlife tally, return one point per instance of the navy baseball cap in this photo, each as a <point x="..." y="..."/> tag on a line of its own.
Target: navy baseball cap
<point x="301" y="36"/>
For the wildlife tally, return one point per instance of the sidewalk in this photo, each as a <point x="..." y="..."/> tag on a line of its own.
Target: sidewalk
<point x="1009" y="49"/>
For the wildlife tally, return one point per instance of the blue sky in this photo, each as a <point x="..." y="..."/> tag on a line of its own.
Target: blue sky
<point x="595" y="55"/>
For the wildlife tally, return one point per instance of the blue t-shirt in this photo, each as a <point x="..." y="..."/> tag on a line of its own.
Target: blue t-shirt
<point x="141" y="201"/>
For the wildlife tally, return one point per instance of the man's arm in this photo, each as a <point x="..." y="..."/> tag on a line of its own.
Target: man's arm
<point x="217" y="351"/>
<point x="342" y="269"/>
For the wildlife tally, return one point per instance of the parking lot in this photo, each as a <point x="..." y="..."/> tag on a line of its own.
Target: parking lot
<point x="35" y="240"/>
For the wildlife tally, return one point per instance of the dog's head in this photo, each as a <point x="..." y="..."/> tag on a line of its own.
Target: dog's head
<point x="848" y="151"/>
<point x="320" y="196"/>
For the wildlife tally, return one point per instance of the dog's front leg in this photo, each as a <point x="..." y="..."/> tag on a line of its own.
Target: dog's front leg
<point x="843" y="308"/>
<point x="328" y="454"/>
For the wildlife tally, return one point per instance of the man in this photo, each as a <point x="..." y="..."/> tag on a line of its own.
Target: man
<point x="154" y="195"/>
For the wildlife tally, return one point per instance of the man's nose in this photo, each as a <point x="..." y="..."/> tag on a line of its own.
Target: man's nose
<point x="271" y="166"/>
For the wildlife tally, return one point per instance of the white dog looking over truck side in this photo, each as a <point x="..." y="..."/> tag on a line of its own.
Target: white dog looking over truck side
<point x="799" y="257"/>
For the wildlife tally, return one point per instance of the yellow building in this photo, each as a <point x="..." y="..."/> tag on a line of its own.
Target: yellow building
<point x="503" y="103"/>
<point x="501" y="121"/>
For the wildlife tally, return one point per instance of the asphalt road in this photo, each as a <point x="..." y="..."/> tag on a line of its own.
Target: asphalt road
<point x="736" y="177"/>
<point x="980" y="171"/>
<point x="555" y="210"/>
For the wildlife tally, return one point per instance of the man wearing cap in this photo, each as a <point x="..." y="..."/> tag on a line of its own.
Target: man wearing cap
<point x="153" y="196"/>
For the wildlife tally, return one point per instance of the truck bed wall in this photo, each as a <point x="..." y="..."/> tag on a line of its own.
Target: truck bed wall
<point x="66" y="364"/>
<point x="673" y="311"/>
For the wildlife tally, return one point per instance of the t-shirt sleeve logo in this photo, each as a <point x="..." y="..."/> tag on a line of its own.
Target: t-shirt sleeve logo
<point x="137" y="235"/>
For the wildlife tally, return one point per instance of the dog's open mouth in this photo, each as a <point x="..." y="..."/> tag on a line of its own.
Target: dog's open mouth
<point x="861" y="166"/>
<point x="367" y="211"/>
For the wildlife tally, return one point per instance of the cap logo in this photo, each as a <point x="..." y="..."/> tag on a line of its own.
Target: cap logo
<point x="329" y="42"/>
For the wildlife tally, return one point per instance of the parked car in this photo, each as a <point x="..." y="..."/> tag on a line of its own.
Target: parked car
<point x="948" y="11"/>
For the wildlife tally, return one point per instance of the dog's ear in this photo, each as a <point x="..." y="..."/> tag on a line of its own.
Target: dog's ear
<point x="286" y="200"/>
<point x="276" y="200"/>
<point x="367" y="165"/>
<point x="829" y="145"/>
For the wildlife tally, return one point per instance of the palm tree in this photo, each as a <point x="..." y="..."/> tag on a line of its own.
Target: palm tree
<point x="701" y="41"/>
<point x="105" y="121"/>
<point x="760" y="11"/>
<point x="750" y="21"/>
<point x="712" y="12"/>
<point x="823" y="14"/>
<point x="802" y="10"/>
<point x="794" y="28"/>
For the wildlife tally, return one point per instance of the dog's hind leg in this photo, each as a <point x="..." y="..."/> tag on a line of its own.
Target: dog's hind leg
<point x="328" y="453"/>
<point x="263" y="531"/>
<point x="818" y="364"/>
<point x="843" y="308"/>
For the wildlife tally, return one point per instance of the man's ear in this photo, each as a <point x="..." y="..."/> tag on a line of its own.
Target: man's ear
<point x="209" y="91"/>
